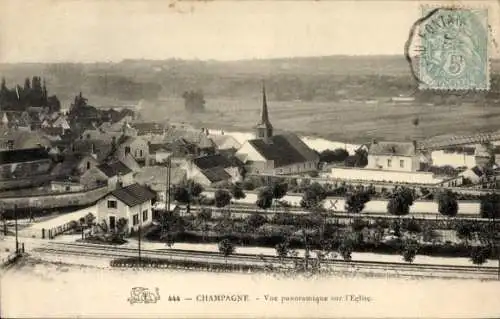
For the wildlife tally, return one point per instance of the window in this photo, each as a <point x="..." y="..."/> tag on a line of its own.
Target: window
<point x="68" y="188"/>
<point x="135" y="219"/>
<point x="145" y="215"/>
<point x="88" y="165"/>
<point x="112" y="204"/>
<point x="88" y="136"/>
<point x="401" y="163"/>
<point x="140" y="153"/>
<point x="389" y="163"/>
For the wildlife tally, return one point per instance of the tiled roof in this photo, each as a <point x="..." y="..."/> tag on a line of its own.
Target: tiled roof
<point x="284" y="150"/>
<point x="114" y="169"/>
<point x="216" y="174"/>
<point x="101" y="148"/>
<point x="134" y="194"/>
<point x="23" y="155"/>
<point x="392" y="148"/>
<point x="211" y="161"/>
<point x="149" y="128"/>
<point x="69" y="164"/>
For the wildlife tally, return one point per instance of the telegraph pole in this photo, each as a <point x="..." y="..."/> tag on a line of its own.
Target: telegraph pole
<point x="139" y="231"/>
<point x="17" y="242"/>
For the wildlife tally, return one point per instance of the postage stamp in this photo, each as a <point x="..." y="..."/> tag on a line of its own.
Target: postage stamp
<point x="454" y="46"/>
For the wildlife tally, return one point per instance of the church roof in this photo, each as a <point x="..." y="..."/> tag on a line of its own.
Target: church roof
<point x="284" y="149"/>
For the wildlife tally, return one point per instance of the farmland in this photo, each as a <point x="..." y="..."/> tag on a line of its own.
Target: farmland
<point x="352" y="122"/>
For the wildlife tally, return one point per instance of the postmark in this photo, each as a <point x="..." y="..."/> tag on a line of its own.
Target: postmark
<point x="452" y="46"/>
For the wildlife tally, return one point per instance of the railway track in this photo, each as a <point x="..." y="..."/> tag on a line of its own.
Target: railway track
<point x="426" y="270"/>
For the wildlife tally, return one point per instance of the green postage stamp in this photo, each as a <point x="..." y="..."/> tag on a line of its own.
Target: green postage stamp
<point x="454" y="46"/>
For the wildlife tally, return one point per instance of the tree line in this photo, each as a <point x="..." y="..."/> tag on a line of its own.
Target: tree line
<point x="33" y="93"/>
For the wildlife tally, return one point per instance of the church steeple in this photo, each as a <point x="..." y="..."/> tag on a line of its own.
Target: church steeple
<point x="264" y="129"/>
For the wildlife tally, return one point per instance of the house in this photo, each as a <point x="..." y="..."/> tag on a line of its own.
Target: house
<point x="155" y="177"/>
<point x="65" y="184"/>
<point x="212" y="169"/>
<point x="133" y="203"/>
<point x="137" y="147"/>
<point x="74" y="165"/>
<point x="62" y="122"/>
<point x="158" y="153"/>
<point x="276" y="154"/>
<point x="394" y="156"/>
<point x="225" y="142"/>
<point x="19" y="139"/>
<point x="475" y="174"/>
<point x="114" y="175"/>
<point x="100" y="150"/>
<point x="24" y="163"/>
<point x="149" y="128"/>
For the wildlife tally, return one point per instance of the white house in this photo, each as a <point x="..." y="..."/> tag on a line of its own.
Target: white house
<point x="134" y="203"/>
<point x="393" y="156"/>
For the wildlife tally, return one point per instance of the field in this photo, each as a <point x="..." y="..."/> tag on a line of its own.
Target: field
<point x="352" y="122"/>
<point x="48" y="290"/>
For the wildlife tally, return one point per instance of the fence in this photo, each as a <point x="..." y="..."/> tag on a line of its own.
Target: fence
<point x="51" y="233"/>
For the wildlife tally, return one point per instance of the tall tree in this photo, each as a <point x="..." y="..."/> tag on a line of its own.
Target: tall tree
<point x="356" y="200"/>
<point x="265" y="198"/>
<point x="447" y="204"/>
<point x="490" y="206"/>
<point x="400" y="202"/>
<point x="313" y="196"/>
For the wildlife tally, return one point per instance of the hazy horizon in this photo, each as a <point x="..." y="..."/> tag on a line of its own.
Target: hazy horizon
<point x="93" y="31"/>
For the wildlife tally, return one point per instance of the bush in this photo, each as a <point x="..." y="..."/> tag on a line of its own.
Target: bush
<point x="480" y="254"/>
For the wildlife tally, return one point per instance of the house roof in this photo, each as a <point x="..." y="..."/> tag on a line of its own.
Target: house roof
<point x="149" y="128"/>
<point x="68" y="165"/>
<point x="224" y="141"/>
<point x="211" y="161"/>
<point x="476" y="170"/>
<point x="134" y="194"/>
<point x="23" y="155"/>
<point x="153" y="148"/>
<point x="216" y="174"/>
<point x="156" y="176"/>
<point x="284" y="149"/>
<point x="392" y="148"/>
<point x="101" y="148"/>
<point x="114" y="169"/>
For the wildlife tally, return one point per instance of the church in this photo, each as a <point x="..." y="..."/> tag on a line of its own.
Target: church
<point x="281" y="154"/>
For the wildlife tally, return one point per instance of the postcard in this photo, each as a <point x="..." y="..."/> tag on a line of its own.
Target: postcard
<point x="242" y="159"/>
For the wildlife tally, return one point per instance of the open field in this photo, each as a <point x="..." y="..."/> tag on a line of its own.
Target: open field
<point x="354" y="122"/>
<point x="56" y="290"/>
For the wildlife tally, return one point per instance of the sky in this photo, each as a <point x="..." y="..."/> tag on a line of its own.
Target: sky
<point x="111" y="30"/>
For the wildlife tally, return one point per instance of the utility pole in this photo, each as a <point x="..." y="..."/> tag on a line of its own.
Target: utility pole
<point x="139" y="231"/>
<point x="17" y="242"/>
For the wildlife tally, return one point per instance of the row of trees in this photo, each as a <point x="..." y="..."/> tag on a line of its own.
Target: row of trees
<point x="33" y="93"/>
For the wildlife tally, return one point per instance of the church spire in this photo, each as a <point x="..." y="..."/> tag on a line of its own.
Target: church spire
<point x="264" y="129"/>
<point x="264" y="116"/>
